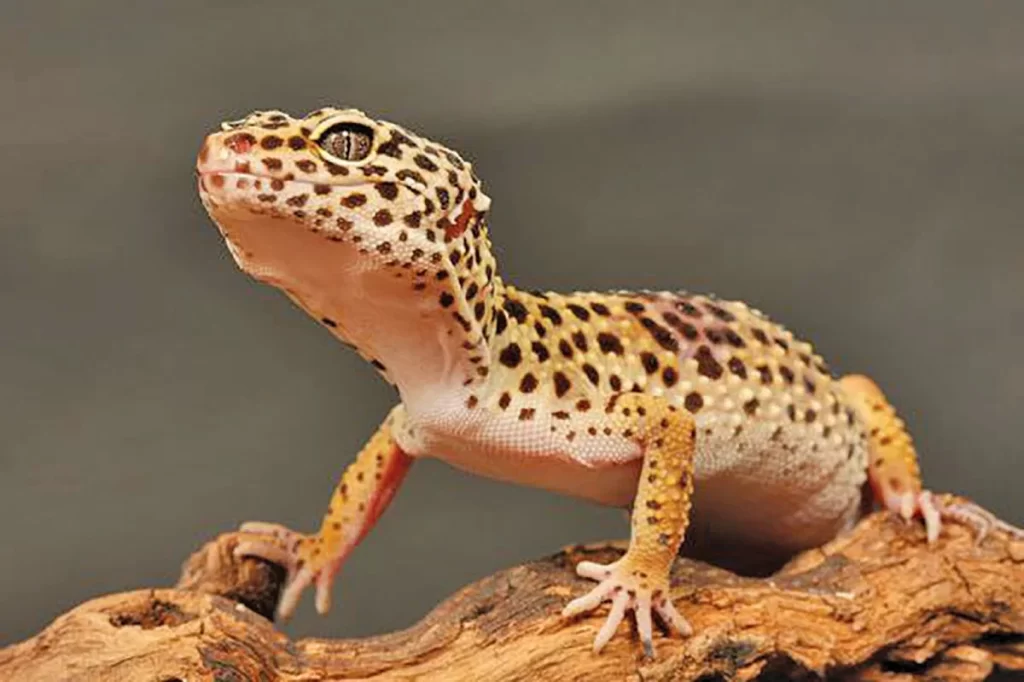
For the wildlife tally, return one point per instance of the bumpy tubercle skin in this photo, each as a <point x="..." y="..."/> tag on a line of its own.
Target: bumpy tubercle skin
<point x="657" y="400"/>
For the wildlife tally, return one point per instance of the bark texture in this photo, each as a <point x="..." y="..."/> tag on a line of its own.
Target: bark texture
<point x="877" y="604"/>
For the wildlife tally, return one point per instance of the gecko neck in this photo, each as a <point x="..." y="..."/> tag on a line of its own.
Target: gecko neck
<point x="426" y="330"/>
<point x="431" y="344"/>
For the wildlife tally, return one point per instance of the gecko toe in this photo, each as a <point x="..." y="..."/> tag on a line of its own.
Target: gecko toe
<point x="289" y="600"/>
<point x="979" y="520"/>
<point x="668" y="613"/>
<point x="643" y="625"/>
<point x="268" y="551"/>
<point x="615" y="617"/>
<point x="593" y="570"/>
<point x="588" y="602"/>
<point x="931" y="515"/>
<point x="324" y="584"/>
<point x="265" y="528"/>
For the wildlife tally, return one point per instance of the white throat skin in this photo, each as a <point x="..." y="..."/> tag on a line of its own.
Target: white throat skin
<point x="407" y="337"/>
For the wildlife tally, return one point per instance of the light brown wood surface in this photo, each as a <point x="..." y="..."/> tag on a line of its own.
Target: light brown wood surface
<point x="877" y="604"/>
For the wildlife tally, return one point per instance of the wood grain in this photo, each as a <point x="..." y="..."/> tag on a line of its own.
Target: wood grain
<point x="877" y="604"/>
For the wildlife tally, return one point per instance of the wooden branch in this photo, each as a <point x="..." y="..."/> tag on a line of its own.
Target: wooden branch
<point x="877" y="605"/>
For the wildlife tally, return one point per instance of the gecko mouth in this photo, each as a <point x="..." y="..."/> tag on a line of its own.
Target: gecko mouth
<point x="212" y="180"/>
<point x="235" y="187"/>
<point x="220" y="179"/>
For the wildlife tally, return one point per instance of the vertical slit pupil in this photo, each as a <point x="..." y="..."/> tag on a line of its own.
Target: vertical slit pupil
<point x="347" y="141"/>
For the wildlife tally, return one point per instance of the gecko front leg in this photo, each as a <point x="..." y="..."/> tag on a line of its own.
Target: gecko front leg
<point x="361" y="496"/>
<point x="640" y="579"/>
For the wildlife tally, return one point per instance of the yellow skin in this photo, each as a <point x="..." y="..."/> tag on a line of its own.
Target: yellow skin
<point x="659" y="400"/>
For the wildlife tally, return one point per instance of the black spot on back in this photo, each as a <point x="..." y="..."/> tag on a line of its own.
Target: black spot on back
<point x="649" y="361"/>
<point x="609" y="343"/>
<point x="510" y="355"/>
<point x="551" y="314"/>
<point x="562" y="384"/>
<point x="706" y="363"/>
<point x="515" y="309"/>
<point x="579" y="311"/>
<point x="661" y="335"/>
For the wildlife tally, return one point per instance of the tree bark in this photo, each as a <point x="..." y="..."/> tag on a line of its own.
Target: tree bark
<point x="876" y="604"/>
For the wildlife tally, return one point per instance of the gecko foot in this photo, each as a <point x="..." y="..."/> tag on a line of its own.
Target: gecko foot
<point x="924" y="504"/>
<point x="299" y="554"/>
<point x="627" y="588"/>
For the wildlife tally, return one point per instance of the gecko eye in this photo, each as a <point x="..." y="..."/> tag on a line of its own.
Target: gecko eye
<point x="346" y="141"/>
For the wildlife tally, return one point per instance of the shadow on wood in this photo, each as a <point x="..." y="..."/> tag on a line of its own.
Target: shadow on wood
<point x="877" y="604"/>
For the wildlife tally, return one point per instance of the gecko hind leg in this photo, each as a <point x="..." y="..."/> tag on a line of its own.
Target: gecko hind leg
<point x="895" y="476"/>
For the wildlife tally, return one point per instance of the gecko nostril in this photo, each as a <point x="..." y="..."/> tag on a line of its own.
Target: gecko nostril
<point x="240" y="143"/>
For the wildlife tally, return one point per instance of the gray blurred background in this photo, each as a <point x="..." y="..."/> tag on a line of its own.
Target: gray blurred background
<point x="854" y="169"/>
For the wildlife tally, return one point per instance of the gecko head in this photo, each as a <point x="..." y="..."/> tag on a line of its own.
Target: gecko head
<point x="337" y="188"/>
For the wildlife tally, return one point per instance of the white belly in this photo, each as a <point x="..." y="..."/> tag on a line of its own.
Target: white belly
<point x="604" y="469"/>
<point x="748" y="490"/>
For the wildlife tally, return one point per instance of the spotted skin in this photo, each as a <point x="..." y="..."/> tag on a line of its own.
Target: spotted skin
<point x="686" y="407"/>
